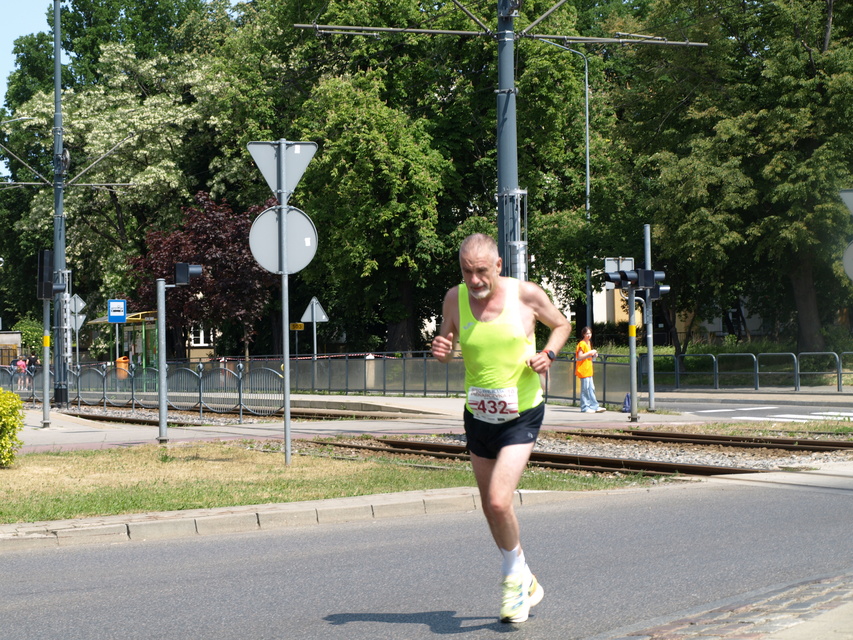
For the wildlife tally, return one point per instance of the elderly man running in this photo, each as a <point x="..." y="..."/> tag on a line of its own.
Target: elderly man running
<point x="493" y="318"/>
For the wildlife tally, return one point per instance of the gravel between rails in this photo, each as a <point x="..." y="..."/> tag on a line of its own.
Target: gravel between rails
<point x="716" y="455"/>
<point x="759" y="459"/>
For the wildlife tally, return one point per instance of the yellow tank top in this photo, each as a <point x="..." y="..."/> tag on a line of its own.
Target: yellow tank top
<point x="496" y="352"/>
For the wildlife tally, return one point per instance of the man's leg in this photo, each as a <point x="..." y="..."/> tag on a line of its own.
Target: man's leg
<point x="497" y="481"/>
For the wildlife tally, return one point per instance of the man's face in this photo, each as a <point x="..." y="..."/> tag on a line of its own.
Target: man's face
<point x="480" y="272"/>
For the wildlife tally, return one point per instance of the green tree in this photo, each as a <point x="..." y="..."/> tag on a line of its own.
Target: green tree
<point x="32" y="332"/>
<point x="377" y="168"/>
<point x="233" y="288"/>
<point x="127" y="131"/>
<point x="148" y="27"/>
<point x="131" y="118"/>
<point x="742" y="149"/>
<point x="405" y="123"/>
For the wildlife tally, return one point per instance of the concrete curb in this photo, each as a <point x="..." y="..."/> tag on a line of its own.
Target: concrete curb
<point x="201" y="522"/>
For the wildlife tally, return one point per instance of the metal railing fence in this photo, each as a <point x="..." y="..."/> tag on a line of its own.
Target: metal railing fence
<point x="256" y="386"/>
<point x="748" y="370"/>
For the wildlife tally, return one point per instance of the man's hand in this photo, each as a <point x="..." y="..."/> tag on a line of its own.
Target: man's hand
<point x="442" y="348"/>
<point x="540" y="363"/>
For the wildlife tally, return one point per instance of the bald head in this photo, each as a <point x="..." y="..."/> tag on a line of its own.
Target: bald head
<point x="479" y="244"/>
<point x="481" y="265"/>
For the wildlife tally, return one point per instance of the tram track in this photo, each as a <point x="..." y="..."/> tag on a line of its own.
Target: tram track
<point x="181" y="418"/>
<point x="743" y="442"/>
<point x="624" y="451"/>
<point x="568" y="462"/>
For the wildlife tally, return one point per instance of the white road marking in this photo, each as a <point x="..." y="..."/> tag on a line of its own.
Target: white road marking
<point x="773" y="419"/>
<point x="735" y="409"/>
<point x="814" y="416"/>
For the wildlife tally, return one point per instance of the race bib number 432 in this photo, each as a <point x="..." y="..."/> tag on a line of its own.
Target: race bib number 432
<point x="493" y="405"/>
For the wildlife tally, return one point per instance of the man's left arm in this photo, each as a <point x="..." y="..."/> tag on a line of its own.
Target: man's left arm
<point x="545" y="312"/>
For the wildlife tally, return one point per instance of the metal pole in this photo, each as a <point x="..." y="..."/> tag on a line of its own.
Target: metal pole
<point x="647" y="312"/>
<point x="586" y="141"/>
<point x="632" y="351"/>
<point x="59" y="170"/>
<point x="314" y="355"/>
<point x="162" y="390"/>
<point x="281" y="192"/>
<point x="77" y="358"/>
<point x="509" y="209"/>
<point x="45" y="358"/>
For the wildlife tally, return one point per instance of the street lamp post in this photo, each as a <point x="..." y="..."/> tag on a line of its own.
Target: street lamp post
<point x="45" y="358"/>
<point x="586" y="140"/>
<point x="61" y="279"/>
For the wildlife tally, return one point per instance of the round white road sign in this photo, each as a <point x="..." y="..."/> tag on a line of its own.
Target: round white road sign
<point x="301" y="240"/>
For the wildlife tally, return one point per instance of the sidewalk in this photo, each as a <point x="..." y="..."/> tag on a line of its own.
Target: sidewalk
<point x="835" y="624"/>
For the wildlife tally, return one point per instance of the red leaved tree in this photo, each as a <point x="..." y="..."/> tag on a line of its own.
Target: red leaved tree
<point x="233" y="288"/>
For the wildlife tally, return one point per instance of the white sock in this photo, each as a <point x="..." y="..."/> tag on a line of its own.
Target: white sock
<point x="514" y="561"/>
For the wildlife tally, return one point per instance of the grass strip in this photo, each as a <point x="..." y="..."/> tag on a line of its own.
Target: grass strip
<point x="75" y="484"/>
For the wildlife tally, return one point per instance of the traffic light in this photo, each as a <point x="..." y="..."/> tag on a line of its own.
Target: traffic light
<point x="629" y="278"/>
<point x="657" y="291"/>
<point x="614" y="278"/>
<point x="648" y="278"/>
<point x="45" y="275"/>
<point x="185" y="272"/>
<point x="622" y="279"/>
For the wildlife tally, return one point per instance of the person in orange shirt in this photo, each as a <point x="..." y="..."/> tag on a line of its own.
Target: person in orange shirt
<point x="584" y="355"/>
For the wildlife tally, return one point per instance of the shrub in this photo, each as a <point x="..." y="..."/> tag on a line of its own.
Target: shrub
<point x="32" y="333"/>
<point x="11" y="423"/>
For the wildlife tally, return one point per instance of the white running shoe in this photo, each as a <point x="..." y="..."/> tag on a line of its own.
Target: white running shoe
<point x="519" y="595"/>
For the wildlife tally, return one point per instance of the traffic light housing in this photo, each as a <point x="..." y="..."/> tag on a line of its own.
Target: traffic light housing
<point x="621" y="279"/>
<point x="629" y="278"/>
<point x="46" y="288"/>
<point x="45" y="275"/>
<point x="657" y="291"/>
<point x="648" y="278"/>
<point x="185" y="272"/>
<point x="641" y="279"/>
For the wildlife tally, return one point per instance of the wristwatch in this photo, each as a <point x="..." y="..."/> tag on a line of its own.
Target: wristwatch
<point x="550" y="355"/>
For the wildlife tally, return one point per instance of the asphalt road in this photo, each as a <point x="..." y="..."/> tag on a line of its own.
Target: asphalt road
<point x="609" y="561"/>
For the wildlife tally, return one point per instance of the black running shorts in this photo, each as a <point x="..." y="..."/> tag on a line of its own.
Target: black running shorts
<point x="486" y="439"/>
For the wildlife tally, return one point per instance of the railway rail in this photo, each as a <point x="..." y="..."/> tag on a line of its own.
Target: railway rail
<point x="570" y="462"/>
<point x="632" y="460"/>
<point x="744" y="442"/>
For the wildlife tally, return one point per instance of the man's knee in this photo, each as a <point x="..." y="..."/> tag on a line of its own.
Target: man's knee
<point x="500" y="507"/>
